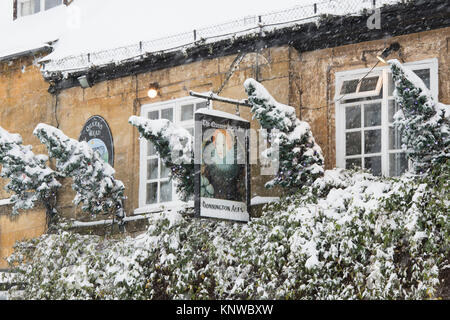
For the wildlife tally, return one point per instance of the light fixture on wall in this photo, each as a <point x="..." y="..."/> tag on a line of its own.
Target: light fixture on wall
<point x="84" y="81"/>
<point x="386" y="52"/>
<point x="153" y="90"/>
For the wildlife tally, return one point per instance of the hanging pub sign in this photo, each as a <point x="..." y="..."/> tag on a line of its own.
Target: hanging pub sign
<point x="222" y="180"/>
<point x="97" y="134"/>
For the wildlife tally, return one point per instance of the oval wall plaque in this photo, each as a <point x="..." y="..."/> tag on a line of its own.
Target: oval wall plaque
<point x="97" y="134"/>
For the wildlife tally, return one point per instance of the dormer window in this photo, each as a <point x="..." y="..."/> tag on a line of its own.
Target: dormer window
<point x="29" y="7"/>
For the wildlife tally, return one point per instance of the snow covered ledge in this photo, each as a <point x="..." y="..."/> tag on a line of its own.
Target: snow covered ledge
<point x="5" y="202"/>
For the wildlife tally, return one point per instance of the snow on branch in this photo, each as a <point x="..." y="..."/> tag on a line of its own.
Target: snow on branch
<point x="424" y="123"/>
<point x="30" y="178"/>
<point x="175" y="146"/>
<point x="93" y="179"/>
<point x="300" y="157"/>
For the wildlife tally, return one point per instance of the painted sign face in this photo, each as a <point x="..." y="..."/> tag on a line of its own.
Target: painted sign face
<point x="222" y="182"/>
<point x="97" y="134"/>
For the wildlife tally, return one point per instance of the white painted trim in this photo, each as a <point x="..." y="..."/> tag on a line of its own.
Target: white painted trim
<point x="5" y="202"/>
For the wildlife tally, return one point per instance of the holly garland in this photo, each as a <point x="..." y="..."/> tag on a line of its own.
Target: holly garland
<point x="299" y="156"/>
<point x="422" y="121"/>
<point x="30" y="178"/>
<point x="93" y="179"/>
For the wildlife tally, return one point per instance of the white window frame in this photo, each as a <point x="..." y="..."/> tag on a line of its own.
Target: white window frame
<point x="384" y="71"/>
<point x="176" y="105"/>
<point x="42" y="7"/>
<point x="364" y="94"/>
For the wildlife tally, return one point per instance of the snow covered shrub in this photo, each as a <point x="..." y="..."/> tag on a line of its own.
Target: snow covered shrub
<point x="175" y="145"/>
<point x="424" y="123"/>
<point x="300" y="157"/>
<point x="349" y="235"/>
<point x="93" y="179"/>
<point x="30" y="178"/>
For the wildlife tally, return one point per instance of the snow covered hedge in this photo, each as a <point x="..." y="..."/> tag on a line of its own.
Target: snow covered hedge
<point x="349" y="235"/>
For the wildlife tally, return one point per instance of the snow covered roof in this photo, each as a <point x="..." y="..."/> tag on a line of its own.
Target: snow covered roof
<point x="30" y="33"/>
<point x="96" y="33"/>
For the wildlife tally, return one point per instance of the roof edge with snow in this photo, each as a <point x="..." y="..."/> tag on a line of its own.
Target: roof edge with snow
<point x="398" y="19"/>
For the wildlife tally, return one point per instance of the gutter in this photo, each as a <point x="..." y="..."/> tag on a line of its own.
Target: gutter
<point x="44" y="49"/>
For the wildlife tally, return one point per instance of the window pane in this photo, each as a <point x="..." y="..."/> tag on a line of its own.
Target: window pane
<point x="353" y="143"/>
<point x="152" y="169"/>
<point x="353" y="163"/>
<point x="398" y="164"/>
<point x="200" y="105"/>
<point x="191" y="131"/>
<point x="353" y="117"/>
<point x="52" y="3"/>
<point x="392" y="110"/>
<point x="372" y="115"/>
<point x="372" y="141"/>
<point x="154" y="115"/>
<point x="151" y="149"/>
<point x="167" y="114"/>
<point x="187" y="112"/>
<point x="368" y="84"/>
<point x="164" y="171"/>
<point x="166" y="191"/>
<point x="374" y="165"/>
<point x="395" y="139"/>
<point x="349" y="86"/>
<point x="424" y="74"/>
<point x="152" y="193"/>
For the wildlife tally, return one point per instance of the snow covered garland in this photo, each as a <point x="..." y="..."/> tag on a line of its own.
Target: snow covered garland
<point x="31" y="180"/>
<point x="424" y="122"/>
<point x="93" y="178"/>
<point x="300" y="157"/>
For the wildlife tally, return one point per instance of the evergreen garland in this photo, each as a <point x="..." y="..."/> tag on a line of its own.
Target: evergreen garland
<point x="423" y="122"/>
<point x="300" y="158"/>
<point x="30" y="178"/>
<point x="175" y="146"/>
<point x="93" y="179"/>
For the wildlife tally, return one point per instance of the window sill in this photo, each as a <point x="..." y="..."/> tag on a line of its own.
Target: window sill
<point x="154" y="208"/>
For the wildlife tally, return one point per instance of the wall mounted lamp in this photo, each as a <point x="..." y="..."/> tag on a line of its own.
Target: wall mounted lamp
<point x="84" y="82"/>
<point x="153" y="90"/>
<point x="386" y="52"/>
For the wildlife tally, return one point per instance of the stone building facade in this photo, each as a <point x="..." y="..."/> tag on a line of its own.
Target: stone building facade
<point x="299" y="70"/>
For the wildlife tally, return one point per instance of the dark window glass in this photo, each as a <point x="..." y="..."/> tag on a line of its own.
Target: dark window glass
<point x="372" y="141"/>
<point x="424" y="74"/>
<point x="353" y="163"/>
<point x="372" y="115"/>
<point x="374" y="165"/>
<point x="349" y="86"/>
<point x="353" y="117"/>
<point x="368" y="84"/>
<point x="353" y="143"/>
